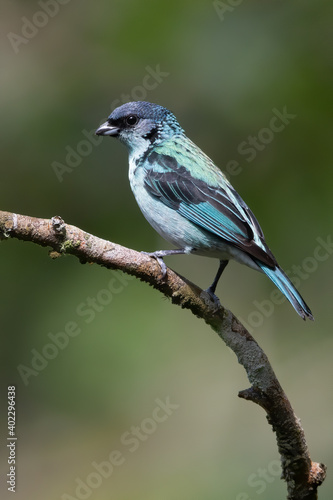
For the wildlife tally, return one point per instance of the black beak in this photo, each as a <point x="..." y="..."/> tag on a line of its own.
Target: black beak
<point x="107" y="129"/>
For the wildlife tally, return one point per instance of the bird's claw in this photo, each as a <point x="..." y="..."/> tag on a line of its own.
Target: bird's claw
<point x="214" y="298"/>
<point x="160" y="260"/>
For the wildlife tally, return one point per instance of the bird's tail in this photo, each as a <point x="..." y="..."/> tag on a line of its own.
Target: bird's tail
<point x="281" y="280"/>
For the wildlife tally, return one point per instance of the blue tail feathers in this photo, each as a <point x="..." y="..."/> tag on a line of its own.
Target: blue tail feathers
<point x="281" y="280"/>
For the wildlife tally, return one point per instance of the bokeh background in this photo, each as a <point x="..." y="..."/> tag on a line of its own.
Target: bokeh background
<point x="222" y="70"/>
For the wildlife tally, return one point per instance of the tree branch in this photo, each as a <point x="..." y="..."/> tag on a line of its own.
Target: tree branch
<point x="301" y="474"/>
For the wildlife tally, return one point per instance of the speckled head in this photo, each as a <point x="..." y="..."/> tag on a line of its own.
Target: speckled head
<point x="142" y="109"/>
<point x="139" y="124"/>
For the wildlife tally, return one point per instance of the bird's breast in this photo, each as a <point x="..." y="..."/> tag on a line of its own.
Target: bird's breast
<point x="166" y="221"/>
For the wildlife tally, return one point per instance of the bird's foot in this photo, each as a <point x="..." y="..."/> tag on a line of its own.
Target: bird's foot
<point x="159" y="257"/>
<point x="214" y="298"/>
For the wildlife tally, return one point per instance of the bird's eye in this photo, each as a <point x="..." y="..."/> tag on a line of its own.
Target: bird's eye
<point x="131" y="120"/>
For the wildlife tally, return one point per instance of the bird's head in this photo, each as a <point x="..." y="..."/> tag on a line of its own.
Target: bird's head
<point x="140" y="125"/>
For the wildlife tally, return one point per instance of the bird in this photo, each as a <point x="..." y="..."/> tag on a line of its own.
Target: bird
<point x="188" y="200"/>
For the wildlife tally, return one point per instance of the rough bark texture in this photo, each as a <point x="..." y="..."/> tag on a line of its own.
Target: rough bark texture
<point x="301" y="474"/>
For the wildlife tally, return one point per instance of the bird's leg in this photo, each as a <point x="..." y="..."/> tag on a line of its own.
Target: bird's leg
<point x="159" y="254"/>
<point x="212" y="288"/>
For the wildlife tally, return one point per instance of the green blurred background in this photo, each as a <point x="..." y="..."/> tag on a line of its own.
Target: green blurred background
<point x="222" y="72"/>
